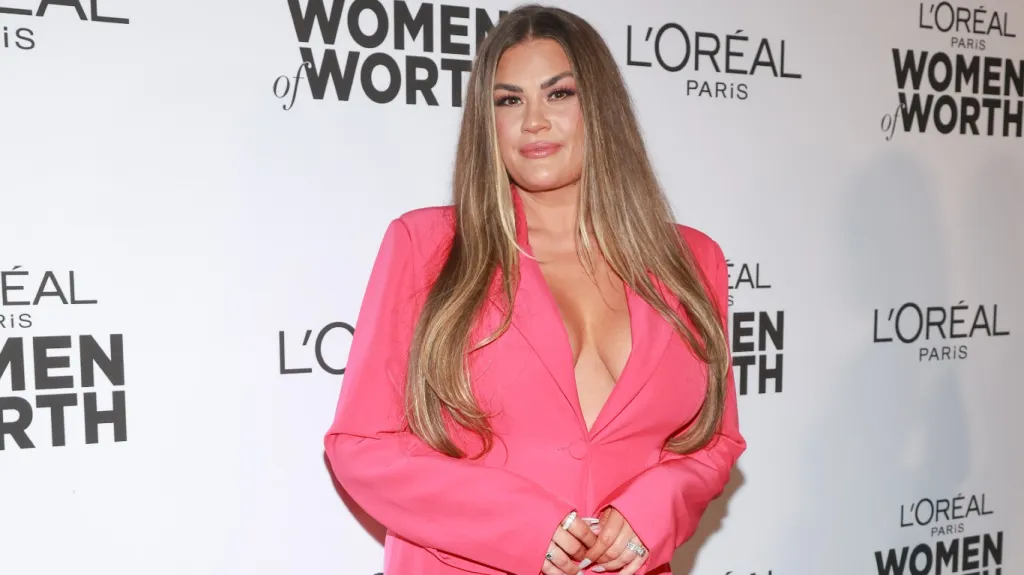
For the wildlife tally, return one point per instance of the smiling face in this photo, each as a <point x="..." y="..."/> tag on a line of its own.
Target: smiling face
<point x="538" y="117"/>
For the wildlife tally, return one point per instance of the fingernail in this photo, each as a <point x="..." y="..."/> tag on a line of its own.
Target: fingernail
<point x="585" y="563"/>
<point x="598" y="569"/>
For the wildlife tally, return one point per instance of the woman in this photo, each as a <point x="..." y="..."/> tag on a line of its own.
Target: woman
<point x="550" y="347"/>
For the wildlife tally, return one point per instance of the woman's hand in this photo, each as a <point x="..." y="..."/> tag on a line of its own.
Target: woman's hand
<point x="617" y="546"/>
<point x="568" y="546"/>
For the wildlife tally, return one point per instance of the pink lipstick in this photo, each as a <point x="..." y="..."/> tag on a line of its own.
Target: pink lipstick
<point x="537" y="150"/>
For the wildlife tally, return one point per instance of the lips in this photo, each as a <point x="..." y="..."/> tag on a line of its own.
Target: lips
<point x="539" y="149"/>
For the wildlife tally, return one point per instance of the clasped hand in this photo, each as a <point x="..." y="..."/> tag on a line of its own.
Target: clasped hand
<point x="608" y="546"/>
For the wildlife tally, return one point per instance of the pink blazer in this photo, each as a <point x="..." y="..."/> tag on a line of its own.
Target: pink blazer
<point x="496" y="515"/>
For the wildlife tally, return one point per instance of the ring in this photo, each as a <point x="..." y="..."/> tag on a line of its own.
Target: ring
<point x="549" y="556"/>
<point x="567" y="522"/>
<point x="637" y="548"/>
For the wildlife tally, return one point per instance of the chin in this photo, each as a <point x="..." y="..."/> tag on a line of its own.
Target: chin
<point x="542" y="182"/>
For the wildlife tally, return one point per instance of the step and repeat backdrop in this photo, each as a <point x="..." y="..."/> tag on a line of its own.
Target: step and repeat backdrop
<point x="188" y="216"/>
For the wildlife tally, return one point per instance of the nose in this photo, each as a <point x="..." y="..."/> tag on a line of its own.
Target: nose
<point x="536" y="119"/>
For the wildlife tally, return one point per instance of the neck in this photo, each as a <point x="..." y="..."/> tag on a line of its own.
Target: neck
<point x="552" y="212"/>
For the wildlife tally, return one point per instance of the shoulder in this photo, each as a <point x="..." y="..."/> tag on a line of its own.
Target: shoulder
<point x="422" y="235"/>
<point x="429" y="221"/>
<point x="429" y="227"/>
<point x="706" y="251"/>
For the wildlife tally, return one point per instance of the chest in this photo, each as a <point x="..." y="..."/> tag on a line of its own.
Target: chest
<point x="585" y="343"/>
<point x="592" y="308"/>
<point x="526" y="376"/>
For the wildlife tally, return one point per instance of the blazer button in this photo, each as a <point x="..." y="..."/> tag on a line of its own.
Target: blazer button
<point x="579" y="449"/>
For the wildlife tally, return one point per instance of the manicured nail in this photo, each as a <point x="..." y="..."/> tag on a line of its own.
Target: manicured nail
<point x="585" y="563"/>
<point x="598" y="569"/>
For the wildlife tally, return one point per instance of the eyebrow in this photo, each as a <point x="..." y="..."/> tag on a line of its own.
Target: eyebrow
<point x="544" y="85"/>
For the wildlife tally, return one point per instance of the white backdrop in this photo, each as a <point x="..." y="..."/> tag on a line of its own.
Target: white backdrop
<point x="224" y="221"/>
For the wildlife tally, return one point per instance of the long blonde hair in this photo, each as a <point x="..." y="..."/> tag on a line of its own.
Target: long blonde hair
<point x="620" y="200"/>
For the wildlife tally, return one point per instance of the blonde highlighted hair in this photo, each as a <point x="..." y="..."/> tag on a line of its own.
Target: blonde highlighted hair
<point x="623" y="213"/>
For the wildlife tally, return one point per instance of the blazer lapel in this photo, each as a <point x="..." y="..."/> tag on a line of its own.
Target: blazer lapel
<point x="536" y="316"/>
<point x="650" y="335"/>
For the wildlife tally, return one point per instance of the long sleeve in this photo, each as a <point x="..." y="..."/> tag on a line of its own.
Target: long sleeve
<point x="664" y="503"/>
<point x="459" y="507"/>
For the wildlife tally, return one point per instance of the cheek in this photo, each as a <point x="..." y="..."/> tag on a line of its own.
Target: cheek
<point x="570" y="122"/>
<point x="504" y="124"/>
<point x="506" y="130"/>
<point x="571" y="126"/>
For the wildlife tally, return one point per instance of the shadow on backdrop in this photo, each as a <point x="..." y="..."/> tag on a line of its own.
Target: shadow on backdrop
<point x="713" y="520"/>
<point x="995" y="214"/>
<point x="892" y="428"/>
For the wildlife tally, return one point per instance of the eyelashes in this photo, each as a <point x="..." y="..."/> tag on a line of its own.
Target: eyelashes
<point x="559" y="94"/>
<point x="563" y="93"/>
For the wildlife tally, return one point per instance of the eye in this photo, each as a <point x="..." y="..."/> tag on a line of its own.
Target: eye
<point x="506" y="101"/>
<point x="562" y="93"/>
